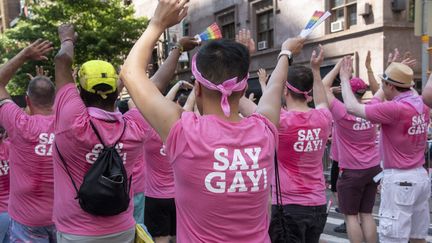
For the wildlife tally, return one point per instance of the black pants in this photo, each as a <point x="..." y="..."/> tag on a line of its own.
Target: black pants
<point x="334" y="175"/>
<point x="305" y="222"/>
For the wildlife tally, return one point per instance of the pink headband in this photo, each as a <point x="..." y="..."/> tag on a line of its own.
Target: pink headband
<point x="295" y="90"/>
<point x="226" y="87"/>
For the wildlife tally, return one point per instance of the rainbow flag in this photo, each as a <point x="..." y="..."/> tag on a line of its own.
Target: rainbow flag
<point x="317" y="18"/>
<point x="211" y="33"/>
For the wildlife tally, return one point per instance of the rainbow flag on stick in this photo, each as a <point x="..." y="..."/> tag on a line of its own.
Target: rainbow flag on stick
<point x="317" y="18"/>
<point x="211" y="33"/>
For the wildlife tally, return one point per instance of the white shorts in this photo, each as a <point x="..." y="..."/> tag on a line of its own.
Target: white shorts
<point x="404" y="209"/>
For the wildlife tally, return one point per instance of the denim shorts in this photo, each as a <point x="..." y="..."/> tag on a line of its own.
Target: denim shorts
<point x="4" y="227"/>
<point x="33" y="234"/>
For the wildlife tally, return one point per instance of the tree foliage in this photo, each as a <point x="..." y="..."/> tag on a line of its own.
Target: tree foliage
<point x="107" y="31"/>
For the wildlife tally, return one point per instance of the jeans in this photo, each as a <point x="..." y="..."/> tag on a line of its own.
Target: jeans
<point x="4" y="227"/>
<point x="33" y="234"/>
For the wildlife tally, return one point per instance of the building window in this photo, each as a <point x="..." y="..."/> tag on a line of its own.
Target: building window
<point x="265" y="30"/>
<point x="226" y="21"/>
<point x="411" y="10"/>
<point x="343" y="11"/>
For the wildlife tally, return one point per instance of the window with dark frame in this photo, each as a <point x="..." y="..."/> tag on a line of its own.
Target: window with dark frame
<point x="265" y="28"/>
<point x="345" y="11"/>
<point x="226" y="21"/>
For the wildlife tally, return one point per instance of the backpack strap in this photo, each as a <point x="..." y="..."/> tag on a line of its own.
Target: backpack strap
<point x="100" y="138"/>
<point x="67" y="170"/>
<point x="277" y="182"/>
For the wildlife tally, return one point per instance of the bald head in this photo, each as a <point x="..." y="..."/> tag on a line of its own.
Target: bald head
<point x="41" y="92"/>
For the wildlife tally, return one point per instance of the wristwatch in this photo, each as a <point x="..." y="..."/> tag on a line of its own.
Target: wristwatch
<point x="179" y="47"/>
<point x="288" y="54"/>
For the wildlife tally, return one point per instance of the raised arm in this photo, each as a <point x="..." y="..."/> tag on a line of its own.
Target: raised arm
<point x="190" y="102"/>
<point x="262" y="78"/>
<point x="319" y="93"/>
<point x="35" y="51"/>
<point x="270" y="103"/>
<point x="64" y="58"/>
<point x="142" y="90"/>
<point x="247" y="107"/>
<point x="351" y="103"/>
<point x="179" y="85"/>
<point x="427" y="92"/>
<point x="329" y="79"/>
<point x="373" y="84"/>
<point x="166" y="72"/>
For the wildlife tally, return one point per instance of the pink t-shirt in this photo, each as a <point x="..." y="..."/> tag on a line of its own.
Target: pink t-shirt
<point x="139" y="175"/>
<point x="222" y="174"/>
<point x="333" y="147"/>
<point x="403" y="133"/>
<point x="79" y="146"/>
<point x="160" y="175"/>
<point x="355" y="139"/>
<point x="30" y="159"/>
<point x="302" y="140"/>
<point x="4" y="175"/>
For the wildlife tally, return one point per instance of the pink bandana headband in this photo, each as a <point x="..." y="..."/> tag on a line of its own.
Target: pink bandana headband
<point x="297" y="91"/>
<point x="226" y="87"/>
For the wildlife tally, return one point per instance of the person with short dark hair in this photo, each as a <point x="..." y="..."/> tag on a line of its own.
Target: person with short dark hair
<point x="222" y="163"/>
<point x="303" y="134"/>
<point x="31" y="138"/>
<point x="404" y="118"/>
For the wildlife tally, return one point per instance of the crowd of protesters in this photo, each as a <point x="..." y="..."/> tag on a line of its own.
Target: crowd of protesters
<point x="204" y="163"/>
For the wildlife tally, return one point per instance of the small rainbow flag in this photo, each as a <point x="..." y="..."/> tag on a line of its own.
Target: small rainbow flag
<point x="211" y="33"/>
<point x="317" y="18"/>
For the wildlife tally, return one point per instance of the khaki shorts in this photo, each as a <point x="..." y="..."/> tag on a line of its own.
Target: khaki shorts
<point x="127" y="236"/>
<point x="404" y="209"/>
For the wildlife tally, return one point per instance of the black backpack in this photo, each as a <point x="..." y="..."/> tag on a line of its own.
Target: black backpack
<point x="105" y="188"/>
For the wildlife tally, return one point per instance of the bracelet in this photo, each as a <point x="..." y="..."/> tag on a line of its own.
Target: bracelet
<point x="68" y="39"/>
<point x="179" y="47"/>
<point x="288" y="54"/>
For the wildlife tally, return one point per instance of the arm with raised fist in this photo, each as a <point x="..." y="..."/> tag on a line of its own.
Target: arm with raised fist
<point x="143" y="91"/>
<point x="64" y="58"/>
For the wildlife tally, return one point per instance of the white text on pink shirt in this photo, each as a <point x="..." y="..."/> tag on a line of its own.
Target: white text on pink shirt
<point x="246" y="174"/>
<point x="361" y="124"/>
<point x="308" y="140"/>
<point x="418" y="125"/>
<point x="94" y="154"/>
<point x="4" y="167"/>
<point x="44" y="148"/>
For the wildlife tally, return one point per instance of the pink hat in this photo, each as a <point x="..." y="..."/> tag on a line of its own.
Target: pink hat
<point x="357" y="84"/>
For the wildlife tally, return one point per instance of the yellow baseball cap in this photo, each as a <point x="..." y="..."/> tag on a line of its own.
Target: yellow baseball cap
<point x="97" y="72"/>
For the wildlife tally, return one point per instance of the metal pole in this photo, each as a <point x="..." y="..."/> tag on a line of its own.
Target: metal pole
<point x="425" y="44"/>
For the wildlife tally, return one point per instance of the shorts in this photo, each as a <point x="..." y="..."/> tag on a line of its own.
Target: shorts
<point x="306" y="223"/>
<point x="4" y="227"/>
<point x="127" y="236"/>
<point x="34" y="234"/>
<point x="138" y="213"/>
<point x="404" y="209"/>
<point x="160" y="216"/>
<point x="357" y="190"/>
<point x="334" y="174"/>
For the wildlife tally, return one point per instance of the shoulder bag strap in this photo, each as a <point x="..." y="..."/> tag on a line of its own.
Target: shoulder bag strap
<point x="67" y="169"/>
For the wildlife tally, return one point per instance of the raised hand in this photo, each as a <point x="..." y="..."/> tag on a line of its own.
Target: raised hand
<point x="345" y="72"/>
<point x="407" y="60"/>
<point x="67" y="32"/>
<point x="169" y="13"/>
<point x="39" y="72"/>
<point x="316" y="60"/>
<point x="252" y="97"/>
<point x="188" y="43"/>
<point x="295" y="45"/>
<point x="368" y="61"/>
<point x="393" y="56"/>
<point x="244" y="37"/>
<point x="37" y="50"/>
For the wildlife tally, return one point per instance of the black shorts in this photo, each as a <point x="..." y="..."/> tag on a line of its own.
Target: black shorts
<point x="334" y="174"/>
<point x="160" y="216"/>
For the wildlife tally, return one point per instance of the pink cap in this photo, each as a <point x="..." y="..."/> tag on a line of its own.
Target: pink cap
<point x="358" y="84"/>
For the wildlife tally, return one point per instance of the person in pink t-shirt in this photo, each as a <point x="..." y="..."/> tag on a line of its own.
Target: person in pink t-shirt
<point x="31" y="137"/>
<point x="303" y="134"/>
<point x="358" y="159"/>
<point x="404" y="118"/>
<point x="222" y="163"/>
<point x="4" y="187"/>
<point x="76" y="109"/>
